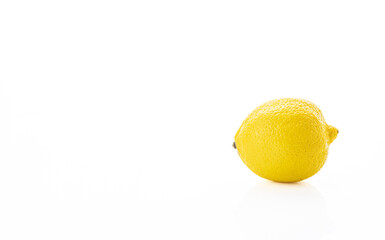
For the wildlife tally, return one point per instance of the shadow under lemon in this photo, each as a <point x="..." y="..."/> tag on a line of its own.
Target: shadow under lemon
<point x="273" y="210"/>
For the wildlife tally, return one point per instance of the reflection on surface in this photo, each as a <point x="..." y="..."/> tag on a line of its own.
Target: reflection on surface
<point x="272" y="210"/>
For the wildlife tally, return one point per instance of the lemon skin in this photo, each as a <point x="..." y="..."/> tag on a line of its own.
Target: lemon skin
<point x="285" y="140"/>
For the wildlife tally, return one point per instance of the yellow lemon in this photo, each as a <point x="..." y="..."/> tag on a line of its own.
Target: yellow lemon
<point x="285" y="140"/>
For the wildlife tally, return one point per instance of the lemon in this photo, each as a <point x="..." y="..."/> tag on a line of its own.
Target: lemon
<point x="285" y="140"/>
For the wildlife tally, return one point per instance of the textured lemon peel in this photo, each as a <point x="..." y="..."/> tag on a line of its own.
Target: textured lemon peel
<point x="285" y="140"/>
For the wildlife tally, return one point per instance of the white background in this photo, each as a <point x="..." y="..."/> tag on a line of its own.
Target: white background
<point x="117" y="118"/>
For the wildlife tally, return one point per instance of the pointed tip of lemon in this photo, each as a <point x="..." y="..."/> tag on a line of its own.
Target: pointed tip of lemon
<point x="333" y="132"/>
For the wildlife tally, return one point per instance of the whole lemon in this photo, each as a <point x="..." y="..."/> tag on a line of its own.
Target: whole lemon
<point x="285" y="140"/>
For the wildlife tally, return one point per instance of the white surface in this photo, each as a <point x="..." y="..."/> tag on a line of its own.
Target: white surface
<point x="117" y="118"/>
